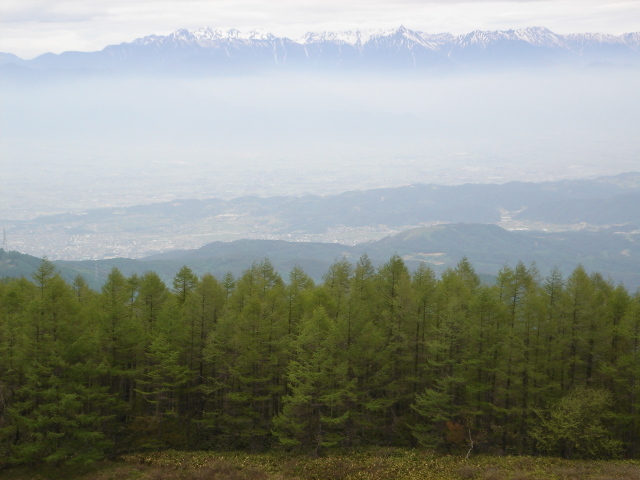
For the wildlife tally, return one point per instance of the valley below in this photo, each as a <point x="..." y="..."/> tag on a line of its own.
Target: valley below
<point x="560" y="224"/>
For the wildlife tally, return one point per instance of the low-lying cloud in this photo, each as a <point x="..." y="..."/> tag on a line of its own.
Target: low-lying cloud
<point x="131" y="140"/>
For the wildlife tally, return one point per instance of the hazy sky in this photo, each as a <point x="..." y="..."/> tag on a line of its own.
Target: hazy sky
<point x="31" y="27"/>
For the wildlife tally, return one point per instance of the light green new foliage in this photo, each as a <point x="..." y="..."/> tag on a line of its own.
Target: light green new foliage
<point x="576" y="426"/>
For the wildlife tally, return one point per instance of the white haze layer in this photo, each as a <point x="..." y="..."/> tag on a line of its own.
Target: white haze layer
<point x="69" y="145"/>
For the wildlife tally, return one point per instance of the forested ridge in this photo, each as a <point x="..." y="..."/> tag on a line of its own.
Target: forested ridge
<point x="368" y="356"/>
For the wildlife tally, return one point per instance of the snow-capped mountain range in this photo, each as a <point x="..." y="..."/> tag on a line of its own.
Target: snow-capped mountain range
<point x="208" y="50"/>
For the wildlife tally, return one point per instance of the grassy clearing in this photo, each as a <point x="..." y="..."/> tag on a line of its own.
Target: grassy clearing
<point x="379" y="464"/>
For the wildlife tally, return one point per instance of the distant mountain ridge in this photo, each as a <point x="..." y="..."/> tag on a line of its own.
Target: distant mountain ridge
<point x="208" y="50"/>
<point x="488" y="247"/>
<point x="135" y="231"/>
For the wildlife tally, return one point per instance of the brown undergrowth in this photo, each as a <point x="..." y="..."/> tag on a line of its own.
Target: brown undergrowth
<point x="377" y="464"/>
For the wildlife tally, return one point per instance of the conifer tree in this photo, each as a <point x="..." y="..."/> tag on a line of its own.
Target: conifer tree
<point x="315" y="411"/>
<point x="368" y="357"/>
<point x="184" y="283"/>
<point x="250" y="346"/>
<point x="159" y="424"/>
<point x="361" y="342"/>
<point x="424" y="286"/>
<point x="446" y="389"/>
<point x="121" y="347"/>
<point x="50" y="417"/>
<point x="394" y="318"/>
<point x="204" y="308"/>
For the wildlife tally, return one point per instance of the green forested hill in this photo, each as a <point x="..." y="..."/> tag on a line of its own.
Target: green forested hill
<point x="367" y="356"/>
<point x="621" y="209"/>
<point x="16" y="264"/>
<point x="489" y="247"/>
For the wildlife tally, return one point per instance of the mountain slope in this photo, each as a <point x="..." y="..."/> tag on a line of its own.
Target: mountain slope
<point x="620" y="209"/>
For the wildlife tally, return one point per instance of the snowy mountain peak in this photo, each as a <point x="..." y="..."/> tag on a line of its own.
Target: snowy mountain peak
<point x="632" y="39"/>
<point x="403" y="32"/>
<point x="208" y="34"/>
<point x="403" y="37"/>
<point x="539" y="36"/>
<point x="204" y="37"/>
<point x="476" y="38"/>
<point x="536" y="36"/>
<point x="593" y="38"/>
<point x="401" y="47"/>
<point x="348" y="37"/>
<point x="356" y="38"/>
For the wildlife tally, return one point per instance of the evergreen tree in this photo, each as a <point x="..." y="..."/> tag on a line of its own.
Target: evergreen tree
<point x="449" y="365"/>
<point x="396" y="375"/>
<point x="50" y="417"/>
<point x="250" y="347"/>
<point x="184" y="283"/>
<point x="121" y="347"/>
<point x="204" y="309"/>
<point x="368" y="357"/>
<point x="315" y="411"/>
<point x="159" y="424"/>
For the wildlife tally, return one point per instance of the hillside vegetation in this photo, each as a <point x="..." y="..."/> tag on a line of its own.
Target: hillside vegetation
<point x="368" y="357"/>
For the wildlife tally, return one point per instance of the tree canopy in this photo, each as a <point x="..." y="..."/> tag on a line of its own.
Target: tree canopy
<point x="528" y="365"/>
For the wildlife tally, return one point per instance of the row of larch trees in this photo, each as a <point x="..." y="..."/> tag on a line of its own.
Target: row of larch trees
<point x="369" y="356"/>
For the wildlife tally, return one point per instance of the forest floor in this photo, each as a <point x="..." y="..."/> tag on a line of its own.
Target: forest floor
<point x="379" y="464"/>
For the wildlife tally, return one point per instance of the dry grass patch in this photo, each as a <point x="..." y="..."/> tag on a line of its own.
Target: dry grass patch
<point x="468" y="472"/>
<point x="375" y="464"/>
